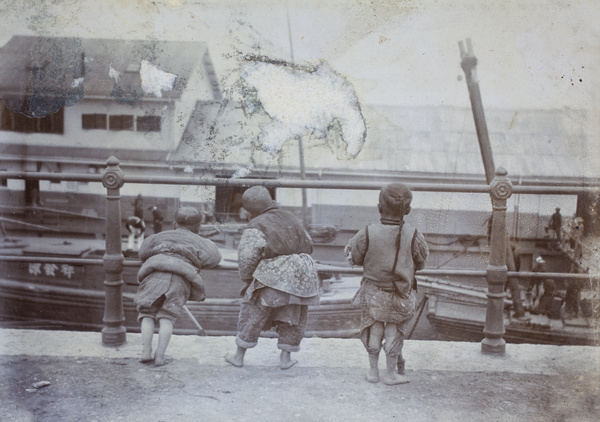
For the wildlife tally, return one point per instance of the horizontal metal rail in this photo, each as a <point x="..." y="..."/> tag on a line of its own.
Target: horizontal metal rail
<point x="320" y="268"/>
<point x="49" y="211"/>
<point x="291" y="183"/>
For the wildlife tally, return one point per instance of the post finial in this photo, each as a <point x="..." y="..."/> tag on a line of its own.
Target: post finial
<point x="113" y="178"/>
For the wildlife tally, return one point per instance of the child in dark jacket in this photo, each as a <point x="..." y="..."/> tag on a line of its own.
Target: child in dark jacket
<point x="390" y="253"/>
<point x="169" y="277"/>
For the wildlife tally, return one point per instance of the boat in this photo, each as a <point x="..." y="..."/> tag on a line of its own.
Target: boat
<point x="53" y="283"/>
<point x="458" y="313"/>
<point x="457" y="310"/>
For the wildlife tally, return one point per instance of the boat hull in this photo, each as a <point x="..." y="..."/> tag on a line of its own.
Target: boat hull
<point x="464" y="320"/>
<point x="60" y="307"/>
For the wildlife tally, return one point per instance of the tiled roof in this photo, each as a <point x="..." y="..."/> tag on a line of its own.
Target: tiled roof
<point x="434" y="140"/>
<point x="51" y="66"/>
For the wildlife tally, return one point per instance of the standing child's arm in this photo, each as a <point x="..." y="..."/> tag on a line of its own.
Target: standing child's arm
<point x="250" y="251"/>
<point x="208" y="253"/>
<point x="356" y="249"/>
<point x="420" y="250"/>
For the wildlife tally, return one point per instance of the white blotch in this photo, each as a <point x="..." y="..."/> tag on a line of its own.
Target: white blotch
<point x="115" y="74"/>
<point x="241" y="172"/>
<point x="155" y="80"/>
<point x="77" y="82"/>
<point x="320" y="103"/>
<point x="188" y="169"/>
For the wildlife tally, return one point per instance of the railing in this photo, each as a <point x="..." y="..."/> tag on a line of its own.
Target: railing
<point x="497" y="274"/>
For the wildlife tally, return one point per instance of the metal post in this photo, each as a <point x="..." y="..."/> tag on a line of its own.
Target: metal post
<point x="500" y="191"/>
<point x="113" y="333"/>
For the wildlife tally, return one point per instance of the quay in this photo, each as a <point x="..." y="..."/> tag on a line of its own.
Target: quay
<point x="449" y="381"/>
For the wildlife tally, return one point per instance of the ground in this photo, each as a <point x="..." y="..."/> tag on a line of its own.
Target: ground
<point x="108" y="389"/>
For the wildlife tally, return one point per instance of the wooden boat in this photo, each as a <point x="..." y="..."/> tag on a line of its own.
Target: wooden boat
<point x="457" y="312"/>
<point x="68" y="293"/>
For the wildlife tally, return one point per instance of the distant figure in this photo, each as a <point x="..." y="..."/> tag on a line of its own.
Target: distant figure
<point x="280" y="276"/>
<point x="157" y="219"/>
<point x="169" y="277"/>
<point x="549" y="290"/>
<point x="555" y="224"/>
<point x="576" y="233"/>
<point x="574" y="287"/>
<point x="489" y="222"/>
<point x="390" y="253"/>
<point x="138" y="207"/>
<point x="136" y="228"/>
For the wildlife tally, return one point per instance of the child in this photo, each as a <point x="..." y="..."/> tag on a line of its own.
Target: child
<point x="280" y="278"/>
<point x="169" y="277"/>
<point x="390" y="253"/>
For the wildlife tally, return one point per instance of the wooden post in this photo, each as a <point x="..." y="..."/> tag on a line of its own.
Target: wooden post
<point x="500" y="191"/>
<point x="469" y="66"/>
<point x="113" y="333"/>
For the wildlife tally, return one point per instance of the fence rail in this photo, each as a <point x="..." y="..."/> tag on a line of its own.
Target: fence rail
<point x="496" y="274"/>
<point x="448" y="187"/>
<point x="321" y="268"/>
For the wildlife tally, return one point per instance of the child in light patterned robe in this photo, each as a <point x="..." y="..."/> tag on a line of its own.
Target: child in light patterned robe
<point x="390" y="253"/>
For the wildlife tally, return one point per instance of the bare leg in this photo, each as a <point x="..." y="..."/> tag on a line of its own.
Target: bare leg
<point x="147" y="333"/>
<point x="237" y="358"/>
<point x="373" y="374"/>
<point x="401" y="364"/>
<point x="376" y="332"/>
<point x="392" y="377"/>
<point x="286" y="361"/>
<point x="164" y="337"/>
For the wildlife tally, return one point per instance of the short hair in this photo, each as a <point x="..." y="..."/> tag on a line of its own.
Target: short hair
<point x="395" y="199"/>
<point x="257" y="200"/>
<point x="188" y="217"/>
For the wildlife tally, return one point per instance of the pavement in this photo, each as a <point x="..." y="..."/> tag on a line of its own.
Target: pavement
<point x="79" y="379"/>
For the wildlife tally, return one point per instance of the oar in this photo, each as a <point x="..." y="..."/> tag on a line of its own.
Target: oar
<point x="201" y="331"/>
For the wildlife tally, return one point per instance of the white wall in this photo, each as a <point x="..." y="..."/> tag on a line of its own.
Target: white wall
<point x="124" y="139"/>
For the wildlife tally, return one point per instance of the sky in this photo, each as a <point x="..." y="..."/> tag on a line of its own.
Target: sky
<point x="531" y="53"/>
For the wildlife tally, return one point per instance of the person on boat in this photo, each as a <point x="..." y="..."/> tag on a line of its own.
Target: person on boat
<point x="555" y="224"/>
<point x="169" y="277"/>
<point x="136" y="228"/>
<point x="157" y="219"/>
<point x="280" y="277"/>
<point x="548" y="289"/>
<point x="390" y="253"/>
<point x="138" y="206"/>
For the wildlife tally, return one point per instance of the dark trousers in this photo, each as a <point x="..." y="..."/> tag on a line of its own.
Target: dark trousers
<point x="289" y="321"/>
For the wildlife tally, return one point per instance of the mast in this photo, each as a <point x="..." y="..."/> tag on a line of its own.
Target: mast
<point x="469" y="66"/>
<point x="300" y="144"/>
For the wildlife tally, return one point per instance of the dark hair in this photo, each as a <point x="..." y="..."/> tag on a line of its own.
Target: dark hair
<point x="188" y="217"/>
<point x="395" y="199"/>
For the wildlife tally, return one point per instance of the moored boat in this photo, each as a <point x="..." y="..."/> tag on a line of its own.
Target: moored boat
<point x="56" y="283"/>
<point x="457" y="312"/>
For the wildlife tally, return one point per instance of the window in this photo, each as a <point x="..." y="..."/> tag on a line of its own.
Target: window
<point x="120" y="122"/>
<point x="19" y="121"/>
<point x="93" y="121"/>
<point x="148" y="123"/>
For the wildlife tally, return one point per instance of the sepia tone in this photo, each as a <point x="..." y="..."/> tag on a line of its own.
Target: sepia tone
<point x="114" y="115"/>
